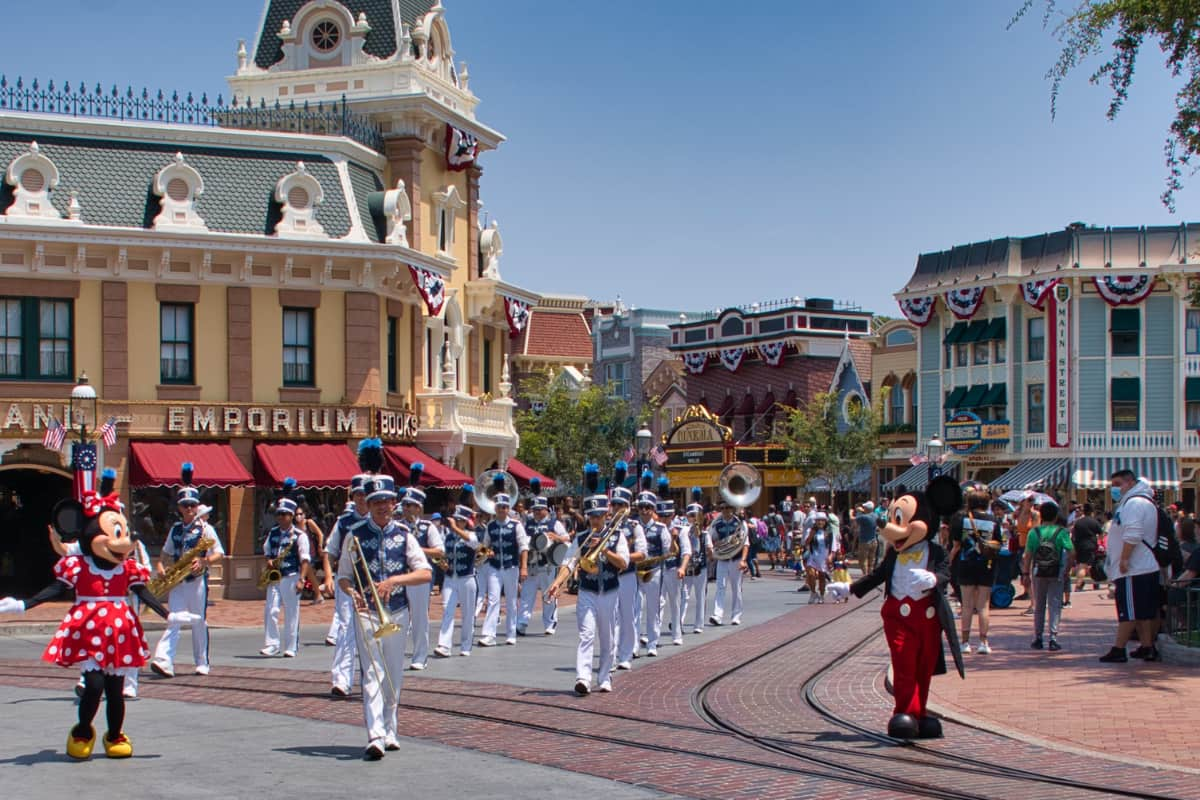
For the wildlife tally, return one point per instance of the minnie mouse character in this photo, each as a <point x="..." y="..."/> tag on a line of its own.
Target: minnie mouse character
<point x="915" y="614"/>
<point x="100" y="634"/>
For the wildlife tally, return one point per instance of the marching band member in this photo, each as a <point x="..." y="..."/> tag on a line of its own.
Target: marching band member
<point x="385" y="555"/>
<point x="541" y="571"/>
<point x="341" y="632"/>
<point x="459" y="587"/>
<point x="674" y="569"/>
<point x="595" y="610"/>
<point x="429" y="538"/>
<point x="507" y="568"/>
<point x="286" y="549"/>
<point x="627" y="595"/>
<point x="658" y="543"/>
<point x="190" y="596"/>
<point x="696" y="574"/>
<point x="729" y="572"/>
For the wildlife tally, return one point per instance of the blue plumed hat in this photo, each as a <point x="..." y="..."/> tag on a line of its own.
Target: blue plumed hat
<point x="370" y="455"/>
<point x="591" y="477"/>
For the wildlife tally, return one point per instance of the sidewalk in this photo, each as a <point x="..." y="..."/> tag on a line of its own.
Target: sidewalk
<point x="1136" y="711"/>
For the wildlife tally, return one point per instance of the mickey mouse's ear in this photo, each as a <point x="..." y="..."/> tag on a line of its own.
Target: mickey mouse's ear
<point x="945" y="495"/>
<point x="68" y="518"/>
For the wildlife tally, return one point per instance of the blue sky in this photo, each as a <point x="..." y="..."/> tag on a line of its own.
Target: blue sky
<point x="692" y="155"/>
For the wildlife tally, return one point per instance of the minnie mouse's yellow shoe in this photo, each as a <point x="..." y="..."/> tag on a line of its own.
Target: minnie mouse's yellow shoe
<point x="118" y="746"/>
<point x="79" y="747"/>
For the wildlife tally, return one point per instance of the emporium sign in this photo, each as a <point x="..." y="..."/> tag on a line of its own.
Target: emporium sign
<point x="248" y="420"/>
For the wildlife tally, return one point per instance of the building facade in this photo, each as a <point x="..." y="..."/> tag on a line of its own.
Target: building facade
<point x="254" y="286"/>
<point x="556" y="343"/>
<point x="627" y="345"/>
<point x="894" y="394"/>
<point x="1047" y="362"/>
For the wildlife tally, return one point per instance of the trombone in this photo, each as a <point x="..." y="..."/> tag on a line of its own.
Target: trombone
<point x="372" y="632"/>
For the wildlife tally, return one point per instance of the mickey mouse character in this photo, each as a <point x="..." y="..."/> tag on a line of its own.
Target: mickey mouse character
<point x="100" y="634"/>
<point x="916" y="613"/>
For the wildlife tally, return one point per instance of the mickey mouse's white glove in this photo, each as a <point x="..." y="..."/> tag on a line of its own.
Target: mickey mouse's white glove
<point x="11" y="605"/>
<point x="924" y="579"/>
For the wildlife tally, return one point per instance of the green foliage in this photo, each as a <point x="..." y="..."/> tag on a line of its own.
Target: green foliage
<point x="572" y="429"/>
<point x="820" y="446"/>
<point x="1173" y="24"/>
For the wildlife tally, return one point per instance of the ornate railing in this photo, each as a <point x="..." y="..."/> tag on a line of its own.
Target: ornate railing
<point x="332" y="118"/>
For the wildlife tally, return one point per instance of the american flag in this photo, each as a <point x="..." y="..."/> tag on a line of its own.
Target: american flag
<point x="659" y="455"/>
<point x="108" y="432"/>
<point x="55" y="435"/>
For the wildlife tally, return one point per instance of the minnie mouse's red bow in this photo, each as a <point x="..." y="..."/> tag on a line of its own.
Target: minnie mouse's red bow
<point x="93" y="503"/>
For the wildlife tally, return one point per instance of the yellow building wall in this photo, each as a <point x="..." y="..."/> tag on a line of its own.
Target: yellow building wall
<point x="267" y="345"/>
<point x="404" y="394"/>
<point x="88" y="333"/>
<point x="436" y="178"/>
<point x="143" y="341"/>
<point x="212" y="345"/>
<point x="884" y="363"/>
<point x="330" y="336"/>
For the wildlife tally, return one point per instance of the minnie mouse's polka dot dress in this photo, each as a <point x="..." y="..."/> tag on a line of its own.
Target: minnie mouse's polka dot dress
<point x="101" y="632"/>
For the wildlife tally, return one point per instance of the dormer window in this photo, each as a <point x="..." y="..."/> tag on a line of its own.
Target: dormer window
<point x="33" y="177"/>
<point x="326" y="36"/>
<point x="299" y="194"/>
<point x="178" y="185"/>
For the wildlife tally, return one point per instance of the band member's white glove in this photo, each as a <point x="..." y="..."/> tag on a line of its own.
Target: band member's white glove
<point x="182" y="618"/>
<point x="11" y="605"/>
<point x="924" y="579"/>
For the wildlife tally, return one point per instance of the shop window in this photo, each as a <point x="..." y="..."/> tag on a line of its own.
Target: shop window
<point x="1125" y="331"/>
<point x="1035" y="408"/>
<point x="297" y="347"/>
<point x="176" y="343"/>
<point x="1037" y="338"/>
<point x="1001" y="355"/>
<point x="391" y="355"/>
<point x="1192" y="333"/>
<point x="1126" y="405"/>
<point x="36" y="339"/>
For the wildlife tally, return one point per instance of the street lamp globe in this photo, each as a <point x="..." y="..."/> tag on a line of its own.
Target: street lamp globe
<point x="934" y="449"/>
<point x="643" y="438"/>
<point x="82" y="406"/>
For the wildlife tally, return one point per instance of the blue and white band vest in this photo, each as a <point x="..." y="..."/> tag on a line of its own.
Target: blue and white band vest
<point x="606" y="579"/>
<point x="723" y="529"/>
<point x="658" y="540"/>
<point x="459" y="556"/>
<point x="276" y="541"/>
<point x="385" y="554"/>
<point x="628" y="530"/>
<point x="420" y="530"/>
<point x="184" y="538"/>
<point x="533" y="528"/>
<point x="503" y="536"/>
<point x="699" y="560"/>
<point x="340" y="531"/>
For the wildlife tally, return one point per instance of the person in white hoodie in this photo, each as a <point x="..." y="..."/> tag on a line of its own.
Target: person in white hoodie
<point x="1132" y="566"/>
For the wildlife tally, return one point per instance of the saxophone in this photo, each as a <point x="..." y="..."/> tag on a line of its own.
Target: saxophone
<point x="645" y="568"/>
<point x="161" y="585"/>
<point x="272" y="574"/>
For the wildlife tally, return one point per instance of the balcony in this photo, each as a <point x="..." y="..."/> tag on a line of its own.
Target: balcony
<point x="455" y="420"/>
<point x="1125" y="441"/>
<point x="898" y="436"/>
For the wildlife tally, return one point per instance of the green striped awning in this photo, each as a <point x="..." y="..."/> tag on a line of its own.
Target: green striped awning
<point x="974" y="397"/>
<point x="996" y="396"/>
<point x="1191" y="390"/>
<point x="955" y="398"/>
<point x="997" y="329"/>
<point x="955" y="333"/>
<point x="1034" y="474"/>
<point x="1127" y="390"/>
<point x="975" y="332"/>
<point x="1161" y="472"/>
<point x="916" y="477"/>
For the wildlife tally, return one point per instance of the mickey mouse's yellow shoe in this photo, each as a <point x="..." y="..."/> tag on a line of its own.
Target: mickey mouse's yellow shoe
<point x="80" y="747"/>
<point x="118" y="746"/>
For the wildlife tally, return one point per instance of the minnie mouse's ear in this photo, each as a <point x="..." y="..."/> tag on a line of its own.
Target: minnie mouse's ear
<point x="68" y="518"/>
<point x="944" y="495"/>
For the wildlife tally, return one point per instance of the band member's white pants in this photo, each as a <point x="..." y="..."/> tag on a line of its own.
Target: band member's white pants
<point x="480" y="589"/>
<point x="458" y="592"/>
<point x="282" y="595"/>
<point x="696" y="589"/>
<point x="672" y="593"/>
<point x="728" y="575"/>
<point x="345" y="651"/>
<point x="595" y="614"/>
<point x="651" y="618"/>
<point x="627" y="595"/>
<point x="535" y="587"/>
<point x="192" y="597"/>
<point x="497" y="579"/>
<point x="418" y="615"/>
<point x="382" y="674"/>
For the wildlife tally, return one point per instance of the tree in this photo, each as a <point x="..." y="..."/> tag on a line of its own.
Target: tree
<point x="572" y="428"/>
<point x="821" y="444"/>
<point x="1174" y="24"/>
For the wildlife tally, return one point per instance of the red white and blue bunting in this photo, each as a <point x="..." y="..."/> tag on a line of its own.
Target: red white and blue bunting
<point x="1036" y="292"/>
<point x="964" y="302"/>
<point x="517" y="313"/>
<point x="1124" y="289"/>
<point x="461" y="149"/>
<point x="918" y="310"/>
<point x="431" y="287"/>
<point x="731" y="357"/>
<point x="771" y="353"/>
<point x="695" y="362"/>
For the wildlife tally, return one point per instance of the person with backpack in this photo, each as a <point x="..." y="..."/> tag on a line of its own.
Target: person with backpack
<point x="975" y="538"/>
<point x="1133" y="567"/>
<point x="1048" y="559"/>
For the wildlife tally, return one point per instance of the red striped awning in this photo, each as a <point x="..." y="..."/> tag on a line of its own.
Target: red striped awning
<point x="746" y="408"/>
<point x="524" y="474"/>
<point x="436" y="475"/>
<point x="158" y="464"/>
<point x="767" y="403"/>
<point x="314" y="465"/>
<point x="726" y="406"/>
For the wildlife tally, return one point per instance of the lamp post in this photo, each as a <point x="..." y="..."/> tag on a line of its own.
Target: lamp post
<point x="642" y="439"/>
<point x="81" y="413"/>
<point x="934" y="448"/>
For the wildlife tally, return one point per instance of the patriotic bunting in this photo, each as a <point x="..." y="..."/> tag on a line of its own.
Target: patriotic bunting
<point x="83" y="465"/>
<point x="1036" y="292"/>
<point x="431" y="287"/>
<point x="771" y="352"/>
<point x="918" y="310"/>
<point x="1124" y="289"/>
<point x="964" y="302"/>
<point x="731" y="358"/>
<point x="517" y="314"/>
<point x="461" y="149"/>
<point x="695" y="362"/>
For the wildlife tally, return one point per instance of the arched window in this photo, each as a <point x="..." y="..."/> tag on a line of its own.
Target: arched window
<point x="733" y="327"/>
<point x="898" y="337"/>
<point x="896" y="404"/>
<point x="910" y="389"/>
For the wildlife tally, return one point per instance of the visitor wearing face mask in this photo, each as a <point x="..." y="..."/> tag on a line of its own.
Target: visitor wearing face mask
<point x="1132" y="566"/>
